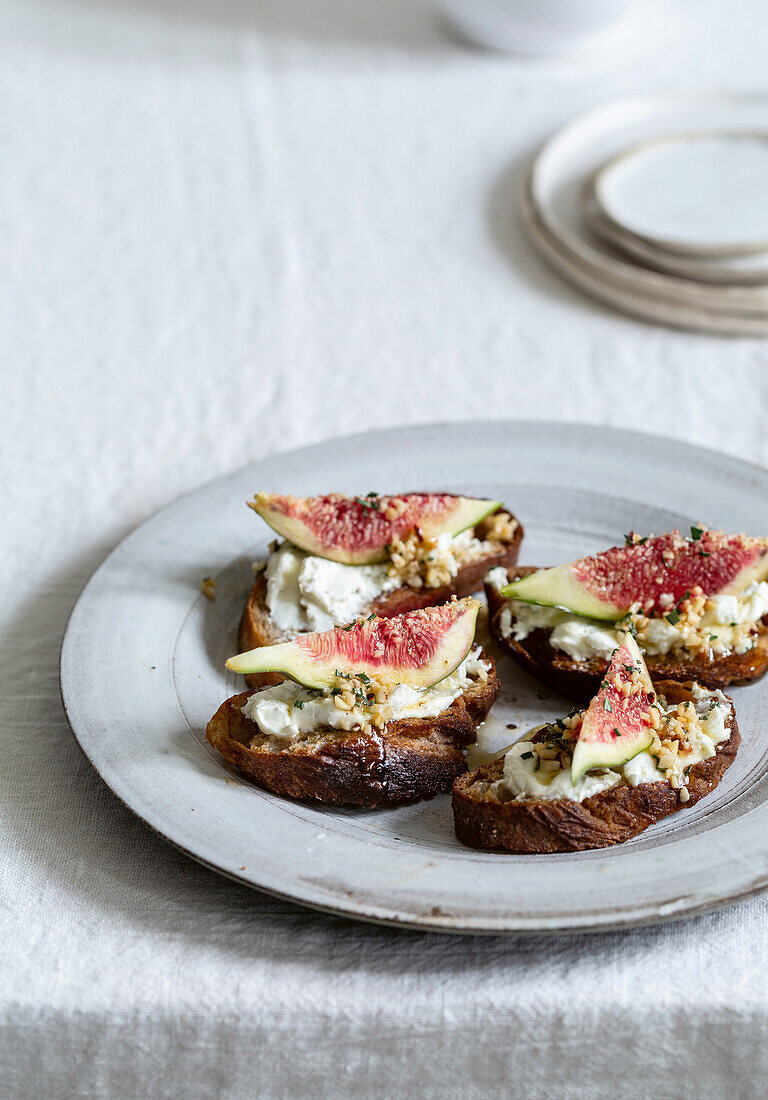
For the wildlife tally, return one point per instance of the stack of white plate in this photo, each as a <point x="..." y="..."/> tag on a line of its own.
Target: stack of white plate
<point x="659" y="206"/>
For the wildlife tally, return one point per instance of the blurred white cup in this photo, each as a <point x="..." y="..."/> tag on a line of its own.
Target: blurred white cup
<point x="536" y="26"/>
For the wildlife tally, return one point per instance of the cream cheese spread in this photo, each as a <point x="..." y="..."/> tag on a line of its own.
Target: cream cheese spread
<point x="722" y="625"/>
<point x="522" y="781"/>
<point x="307" y="593"/>
<point x="289" y="710"/>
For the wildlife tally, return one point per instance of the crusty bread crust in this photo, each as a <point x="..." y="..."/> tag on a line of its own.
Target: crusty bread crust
<point x="482" y="820"/>
<point x="581" y="680"/>
<point x="257" y="628"/>
<point x="410" y="759"/>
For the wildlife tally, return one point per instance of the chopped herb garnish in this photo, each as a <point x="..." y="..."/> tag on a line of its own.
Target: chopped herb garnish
<point x="371" y="494"/>
<point x="629" y="668"/>
<point x="348" y="626"/>
<point x="704" y="554"/>
<point x="369" y="503"/>
<point x="734" y="624"/>
<point x="673" y="617"/>
<point x="687" y="770"/>
<point x="712" y="637"/>
<point x="526" y="755"/>
<point x="371" y="616"/>
<point x="365" y="678"/>
<point x="538" y="764"/>
<point x="617" y="731"/>
<point x="607" y="704"/>
<point x="696" y="533"/>
<point x="299" y="703"/>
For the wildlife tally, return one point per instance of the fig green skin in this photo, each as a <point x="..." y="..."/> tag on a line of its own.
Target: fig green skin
<point x="597" y="745"/>
<point x="717" y="562"/>
<point x="444" y="634"/>
<point x="291" y="517"/>
<point x="557" y="587"/>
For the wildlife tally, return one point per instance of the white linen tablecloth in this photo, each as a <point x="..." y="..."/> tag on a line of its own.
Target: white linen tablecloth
<point x="232" y="227"/>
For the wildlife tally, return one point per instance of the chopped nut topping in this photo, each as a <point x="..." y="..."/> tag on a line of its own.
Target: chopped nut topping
<point x="498" y="527"/>
<point x="419" y="561"/>
<point x="687" y="618"/>
<point x="394" y="509"/>
<point x="429" y="561"/>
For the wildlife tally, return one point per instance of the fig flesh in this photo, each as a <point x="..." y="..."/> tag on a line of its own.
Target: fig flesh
<point x="616" y="727"/>
<point x="419" y="648"/>
<point x="656" y="572"/>
<point x="358" y="530"/>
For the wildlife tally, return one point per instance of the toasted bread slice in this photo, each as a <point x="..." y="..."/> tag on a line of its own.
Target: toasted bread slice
<point x="257" y="628"/>
<point x="487" y="816"/>
<point x="581" y="680"/>
<point x="410" y="759"/>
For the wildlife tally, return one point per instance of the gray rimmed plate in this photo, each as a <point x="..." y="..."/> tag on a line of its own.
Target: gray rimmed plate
<point x="142" y="672"/>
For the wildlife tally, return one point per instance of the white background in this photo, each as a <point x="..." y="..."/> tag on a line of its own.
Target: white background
<point x="233" y="227"/>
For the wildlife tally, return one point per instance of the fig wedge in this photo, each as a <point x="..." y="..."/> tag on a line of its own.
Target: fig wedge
<point x="656" y="573"/>
<point x="358" y="530"/>
<point x="419" y="648"/>
<point x="616" y="726"/>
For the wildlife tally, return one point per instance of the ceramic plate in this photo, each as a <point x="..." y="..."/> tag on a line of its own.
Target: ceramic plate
<point x="552" y="209"/>
<point x="692" y="194"/>
<point x="733" y="270"/>
<point x="142" y="671"/>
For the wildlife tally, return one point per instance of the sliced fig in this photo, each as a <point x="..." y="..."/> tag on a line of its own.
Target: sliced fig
<point x="357" y="530"/>
<point x="656" y="572"/>
<point x="418" y="648"/>
<point x="616" y="727"/>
